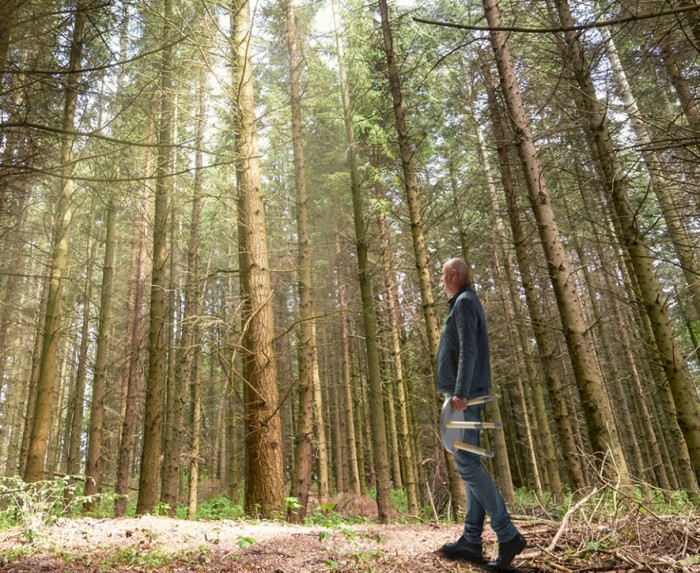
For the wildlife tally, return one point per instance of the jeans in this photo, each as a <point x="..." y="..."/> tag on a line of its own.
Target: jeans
<point x="482" y="495"/>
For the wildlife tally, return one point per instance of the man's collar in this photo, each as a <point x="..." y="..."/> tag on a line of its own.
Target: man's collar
<point x="454" y="298"/>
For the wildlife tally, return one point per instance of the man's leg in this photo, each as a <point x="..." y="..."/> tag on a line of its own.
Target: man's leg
<point x="474" y="520"/>
<point x="482" y="488"/>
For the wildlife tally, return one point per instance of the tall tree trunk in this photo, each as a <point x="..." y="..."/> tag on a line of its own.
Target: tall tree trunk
<point x="503" y="260"/>
<point x="189" y="344"/>
<point x="380" y="447"/>
<point x="601" y="430"/>
<point x="689" y="104"/>
<point x="410" y="182"/>
<point x="351" y="438"/>
<point x="36" y="453"/>
<point x="406" y="448"/>
<point x="545" y="345"/>
<point x="675" y="367"/>
<point x="94" y="465"/>
<point x="130" y="395"/>
<point x="75" y="414"/>
<point x="155" y="380"/>
<point x="664" y="188"/>
<point x="194" y="290"/>
<point x="264" y="483"/>
<point x="308" y="358"/>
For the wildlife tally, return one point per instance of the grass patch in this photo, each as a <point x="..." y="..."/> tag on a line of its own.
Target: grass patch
<point x="134" y="557"/>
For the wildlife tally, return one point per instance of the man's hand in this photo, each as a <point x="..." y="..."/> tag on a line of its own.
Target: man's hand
<point x="459" y="403"/>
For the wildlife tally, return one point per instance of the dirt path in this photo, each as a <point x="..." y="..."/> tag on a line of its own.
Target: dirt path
<point x="155" y="544"/>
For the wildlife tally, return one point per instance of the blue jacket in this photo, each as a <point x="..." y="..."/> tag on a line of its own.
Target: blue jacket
<point x="463" y="365"/>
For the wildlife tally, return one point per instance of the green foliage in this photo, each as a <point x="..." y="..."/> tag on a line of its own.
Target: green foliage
<point x="291" y="504"/>
<point x="243" y="542"/>
<point x="161" y="509"/>
<point x="214" y="509"/>
<point x="17" y="553"/>
<point x="399" y="500"/>
<point x="33" y="506"/>
<point x="323" y="535"/>
<point x="333" y="519"/>
<point x="134" y="558"/>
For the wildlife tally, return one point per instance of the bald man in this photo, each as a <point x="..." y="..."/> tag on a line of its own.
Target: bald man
<point x="463" y="372"/>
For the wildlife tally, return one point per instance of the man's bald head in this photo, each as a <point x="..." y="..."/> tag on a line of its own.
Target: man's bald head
<point x="455" y="276"/>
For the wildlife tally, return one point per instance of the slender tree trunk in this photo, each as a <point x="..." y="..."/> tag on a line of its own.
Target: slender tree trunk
<point x="364" y="460"/>
<point x="663" y="185"/>
<point x="264" y="479"/>
<point x="589" y="380"/>
<point x="75" y="415"/>
<point x="406" y="151"/>
<point x="689" y="104"/>
<point x="308" y="359"/>
<point x="36" y="453"/>
<point x="351" y="438"/>
<point x="675" y="367"/>
<point x="94" y="465"/>
<point x="504" y="262"/>
<point x="194" y="290"/>
<point x="380" y="448"/>
<point x="188" y="346"/>
<point x="545" y="345"/>
<point x="404" y="437"/>
<point x="130" y="399"/>
<point x="155" y="381"/>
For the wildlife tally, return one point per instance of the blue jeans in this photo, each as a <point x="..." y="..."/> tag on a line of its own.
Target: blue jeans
<point x="482" y="495"/>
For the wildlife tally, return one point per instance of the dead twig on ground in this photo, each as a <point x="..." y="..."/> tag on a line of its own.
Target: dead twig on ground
<point x="567" y="517"/>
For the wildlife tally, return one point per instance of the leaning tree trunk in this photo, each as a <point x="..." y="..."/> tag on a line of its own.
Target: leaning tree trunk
<point x="663" y="185"/>
<point x="599" y="417"/>
<point x="504" y="260"/>
<point x="155" y="381"/>
<point x="545" y="345"/>
<point x="36" y="453"/>
<point x="264" y="484"/>
<point x="654" y="300"/>
<point x="406" y="151"/>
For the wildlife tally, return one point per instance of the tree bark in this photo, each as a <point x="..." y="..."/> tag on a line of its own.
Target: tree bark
<point x="307" y="351"/>
<point x="155" y="381"/>
<point x="675" y="367"/>
<point x="599" y="418"/>
<point x="545" y="345"/>
<point x="404" y="437"/>
<point x="406" y="151"/>
<point x="663" y="185"/>
<point x="131" y="380"/>
<point x="264" y="479"/>
<point x="75" y="415"/>
<point x="36" y="452"/>
<point x="350" y="438"/>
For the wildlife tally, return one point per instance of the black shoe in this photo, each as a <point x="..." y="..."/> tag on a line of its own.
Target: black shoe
<point x="507" y="552"/>
<point x="462" y="549"/>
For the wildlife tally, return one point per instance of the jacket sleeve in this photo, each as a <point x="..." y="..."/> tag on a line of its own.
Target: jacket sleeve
<point x="466" y="325"/>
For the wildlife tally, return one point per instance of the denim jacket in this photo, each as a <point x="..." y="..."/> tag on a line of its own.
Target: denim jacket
<point x="463" y="366"/>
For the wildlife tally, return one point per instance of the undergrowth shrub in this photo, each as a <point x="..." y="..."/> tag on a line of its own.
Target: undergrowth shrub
<point x="33" y="506"/>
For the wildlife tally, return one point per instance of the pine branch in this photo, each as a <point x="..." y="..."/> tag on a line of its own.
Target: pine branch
<point x="597" y="24"/>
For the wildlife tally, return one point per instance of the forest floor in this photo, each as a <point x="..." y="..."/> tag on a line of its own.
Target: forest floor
<point x="635" y="542"/>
